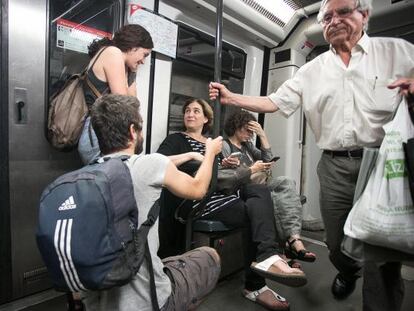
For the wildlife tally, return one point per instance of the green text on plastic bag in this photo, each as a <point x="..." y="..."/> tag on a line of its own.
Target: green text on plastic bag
<point x="395" y="169"/>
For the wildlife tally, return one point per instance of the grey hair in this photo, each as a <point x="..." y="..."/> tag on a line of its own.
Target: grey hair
<point x="362" y="5"/>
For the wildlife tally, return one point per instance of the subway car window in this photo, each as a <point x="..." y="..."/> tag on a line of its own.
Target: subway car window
<point x="197" y="47"/>
<point x="190" y="80"/>
<point x="73" y="25"/>
<point x="194" y="69"/>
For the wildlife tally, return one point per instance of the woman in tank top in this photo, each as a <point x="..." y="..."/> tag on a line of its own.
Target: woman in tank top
<point x="114" y="63"/>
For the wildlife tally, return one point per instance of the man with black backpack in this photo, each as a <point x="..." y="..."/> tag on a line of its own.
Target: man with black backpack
<point x="181" y="281"/>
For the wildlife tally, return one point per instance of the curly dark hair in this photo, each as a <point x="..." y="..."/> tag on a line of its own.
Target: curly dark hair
<point x="237" y="121"/>
<point x="126" y="38"/>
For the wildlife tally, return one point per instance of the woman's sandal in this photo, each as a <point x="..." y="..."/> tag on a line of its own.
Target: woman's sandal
<point x="267" y="269"/>
<point x="302" y="254"/>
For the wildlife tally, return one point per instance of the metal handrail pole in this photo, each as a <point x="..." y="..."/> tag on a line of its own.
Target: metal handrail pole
<point x="216" y="128"/>
<point x="217" y="78"/>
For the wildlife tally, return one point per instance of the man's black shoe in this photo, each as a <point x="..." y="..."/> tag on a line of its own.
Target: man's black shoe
<point x="342" y="288"/>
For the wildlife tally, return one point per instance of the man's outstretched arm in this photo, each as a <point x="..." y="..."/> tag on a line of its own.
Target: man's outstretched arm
<point x="252" y="103"/>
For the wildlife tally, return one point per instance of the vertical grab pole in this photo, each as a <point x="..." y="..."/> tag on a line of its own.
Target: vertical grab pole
<point x="217" y="78"/>
<point x="216" y="127"/>
<point x="217" y="64"/>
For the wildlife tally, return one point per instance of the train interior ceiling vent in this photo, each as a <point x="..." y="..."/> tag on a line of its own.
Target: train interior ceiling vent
<point x="276" y="17"/>
<point x="266" y="22"/>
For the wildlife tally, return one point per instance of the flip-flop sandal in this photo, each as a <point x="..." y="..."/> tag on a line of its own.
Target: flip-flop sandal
<point x="267" y="270"/>
<point x="292" y="253"/>
<point x="279" y="303"/>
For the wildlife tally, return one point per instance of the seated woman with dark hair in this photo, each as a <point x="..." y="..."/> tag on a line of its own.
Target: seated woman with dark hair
<point x="240" y="128"/>
<point x="249" y="208"/>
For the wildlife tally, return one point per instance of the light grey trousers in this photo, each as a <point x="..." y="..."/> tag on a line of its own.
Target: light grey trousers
<point x="287" y="206"/>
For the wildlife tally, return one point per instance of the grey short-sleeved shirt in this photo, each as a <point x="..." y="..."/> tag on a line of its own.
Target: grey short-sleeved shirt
<point x="148" y="172"/>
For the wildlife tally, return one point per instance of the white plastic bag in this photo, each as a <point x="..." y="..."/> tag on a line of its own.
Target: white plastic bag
<point x="384" y="214"/>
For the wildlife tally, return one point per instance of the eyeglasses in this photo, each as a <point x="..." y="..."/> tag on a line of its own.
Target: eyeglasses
<point x="340" y="13"/>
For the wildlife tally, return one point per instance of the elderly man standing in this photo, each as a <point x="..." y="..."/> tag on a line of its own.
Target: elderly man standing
<point x="346" y="97"/>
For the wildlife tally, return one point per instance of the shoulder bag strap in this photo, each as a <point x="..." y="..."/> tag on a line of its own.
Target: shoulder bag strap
<point x="89" y="67"/>
<point x="88" y="82"/>
<point x="92" y="87"/>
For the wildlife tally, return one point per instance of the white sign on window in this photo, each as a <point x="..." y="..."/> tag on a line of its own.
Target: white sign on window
<point x="163" y="32"/>
<point x="76" y="37"/>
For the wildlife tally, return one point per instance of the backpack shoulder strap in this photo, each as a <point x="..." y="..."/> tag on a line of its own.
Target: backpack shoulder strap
<point x="92" y="87"/>
<point x="153" y="289"/>
<point x="89" y="67"/>
<point x="122" y="157"/>
<point x="144" y="229"/>
<point x="151" y="218"/>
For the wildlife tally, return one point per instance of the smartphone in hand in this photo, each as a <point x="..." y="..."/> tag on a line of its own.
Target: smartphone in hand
<point x="235" y="155"/>
<point x="274" y="159"/>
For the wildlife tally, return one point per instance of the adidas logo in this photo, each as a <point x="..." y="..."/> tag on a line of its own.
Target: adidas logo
<point x="68" y="204"/>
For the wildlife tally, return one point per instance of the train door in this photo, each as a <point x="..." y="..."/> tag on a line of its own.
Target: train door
<point x="47" y="42"/>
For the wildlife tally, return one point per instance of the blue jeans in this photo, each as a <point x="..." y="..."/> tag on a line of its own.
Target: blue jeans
<point x="88" y="146"/>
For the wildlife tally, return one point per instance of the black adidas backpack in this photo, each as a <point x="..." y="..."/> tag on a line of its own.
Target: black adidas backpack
<point x="87" y="232"/>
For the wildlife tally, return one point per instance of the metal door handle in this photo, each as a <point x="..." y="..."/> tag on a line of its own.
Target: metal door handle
<point x="20" y="106"/>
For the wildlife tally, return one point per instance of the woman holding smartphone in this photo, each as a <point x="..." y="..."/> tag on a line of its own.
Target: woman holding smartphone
<point x="240" y="128"/>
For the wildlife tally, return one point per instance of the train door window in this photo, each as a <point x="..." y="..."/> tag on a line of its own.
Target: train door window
<point x="73" y="25"/>
<point x="194" y="69"/>
<point x="197" y="47"/>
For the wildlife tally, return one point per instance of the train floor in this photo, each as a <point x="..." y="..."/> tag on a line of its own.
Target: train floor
<point x="314" y="296"/>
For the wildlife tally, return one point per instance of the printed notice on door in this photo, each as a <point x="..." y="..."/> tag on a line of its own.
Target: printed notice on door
<point x="76" y="37"/>
<point x="163" y="32"/>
